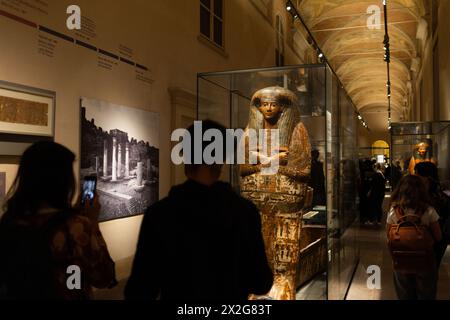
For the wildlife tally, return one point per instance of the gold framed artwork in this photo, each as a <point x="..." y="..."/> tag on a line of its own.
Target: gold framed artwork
<point x="26" y="111"/>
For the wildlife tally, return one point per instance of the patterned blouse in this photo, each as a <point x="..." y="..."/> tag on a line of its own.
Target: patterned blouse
<point x="79" y="242"/>
<point x="69" y="239"/>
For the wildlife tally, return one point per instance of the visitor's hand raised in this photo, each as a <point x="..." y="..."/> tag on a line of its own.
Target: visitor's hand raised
<point x="91" y="209"/>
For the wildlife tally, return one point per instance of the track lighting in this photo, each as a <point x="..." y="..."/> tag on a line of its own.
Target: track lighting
<point x="288" y="6"/>
<point x="291" y="9"/>
<point x="387" y="59"/>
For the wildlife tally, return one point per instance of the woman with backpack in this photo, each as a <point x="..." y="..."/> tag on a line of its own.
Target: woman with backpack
<point x="49" y="249"/>
<point x="413" y="229"/>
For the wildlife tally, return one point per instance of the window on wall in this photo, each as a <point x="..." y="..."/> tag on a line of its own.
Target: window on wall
<point x="211" y="20"/>
<point x="279" y="49"/>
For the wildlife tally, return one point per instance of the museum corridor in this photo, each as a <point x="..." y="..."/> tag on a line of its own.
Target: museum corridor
<point x="329" y="108"/>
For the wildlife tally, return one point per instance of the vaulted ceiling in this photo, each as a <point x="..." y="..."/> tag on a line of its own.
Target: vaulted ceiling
<point x="355" y="50"/>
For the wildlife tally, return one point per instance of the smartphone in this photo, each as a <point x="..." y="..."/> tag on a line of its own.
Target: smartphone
<point x="89" y="188"/>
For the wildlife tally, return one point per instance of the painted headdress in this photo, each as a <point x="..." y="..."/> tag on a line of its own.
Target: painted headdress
<point x="290" y="113"/>
<point x="426" y="144"/>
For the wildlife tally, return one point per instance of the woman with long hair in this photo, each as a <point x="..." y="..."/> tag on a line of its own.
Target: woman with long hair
<point x="409" y="202"/>
<point x="49" y="249"/>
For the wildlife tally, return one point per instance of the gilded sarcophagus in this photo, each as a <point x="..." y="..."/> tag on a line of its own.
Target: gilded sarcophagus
<point x="280" y="201"/>
<point x="282" y="194"/>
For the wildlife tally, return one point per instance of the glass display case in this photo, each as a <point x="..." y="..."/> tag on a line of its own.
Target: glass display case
<point x="414" y="142"/>
<point x="309" y="206"/>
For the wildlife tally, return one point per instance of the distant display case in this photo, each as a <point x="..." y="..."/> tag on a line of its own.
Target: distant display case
<point x="327" y="217"/>
<point x="413" y="142"/>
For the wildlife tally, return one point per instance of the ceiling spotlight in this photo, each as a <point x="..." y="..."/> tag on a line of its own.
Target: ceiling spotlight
<point x="321" y="55"/>
<point x="296" y="16"/>
<point x="359" y="117"/>
<point x="288" y="6"/>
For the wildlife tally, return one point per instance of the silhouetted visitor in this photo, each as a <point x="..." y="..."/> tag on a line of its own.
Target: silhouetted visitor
<point x="202" y="242"/>
<point x="376" y="195"/>
<point x="409" y="206"/>
<point x="317" y="179"/>
<point x="42" y="234"/>
<point x="439" y="201"/>
<point x="396" y="174"/>
<point x="367" y="174"/>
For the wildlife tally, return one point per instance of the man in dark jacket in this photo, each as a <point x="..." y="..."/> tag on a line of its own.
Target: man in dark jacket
<point x="202" y="242"/>
<point x="376" y="194"/>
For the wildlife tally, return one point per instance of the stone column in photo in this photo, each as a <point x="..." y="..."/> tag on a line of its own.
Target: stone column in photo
<point x="119" y="161"/>
<point x="114" y="160"/>
<point x="127" y="159"/>
<point x="149" y="169"/>
<point x="139" y="173"/>
<point x="105" y="158"/>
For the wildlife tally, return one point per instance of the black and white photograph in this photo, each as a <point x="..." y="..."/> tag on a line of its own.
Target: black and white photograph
<point x="120" y="146"/>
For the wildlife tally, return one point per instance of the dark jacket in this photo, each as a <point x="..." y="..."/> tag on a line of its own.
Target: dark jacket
<point x="377" y="190"/>
<point x="200" y="243"/>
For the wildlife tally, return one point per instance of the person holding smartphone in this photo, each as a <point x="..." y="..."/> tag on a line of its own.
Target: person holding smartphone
<point x="44" y="239"/>
<point x="88" y="191"/>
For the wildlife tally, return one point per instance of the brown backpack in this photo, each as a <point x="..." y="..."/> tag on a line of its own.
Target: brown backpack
<point x="411" y="245"/>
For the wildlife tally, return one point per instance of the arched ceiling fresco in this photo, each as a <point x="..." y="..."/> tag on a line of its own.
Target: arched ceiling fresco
<point x="355" y="51"/>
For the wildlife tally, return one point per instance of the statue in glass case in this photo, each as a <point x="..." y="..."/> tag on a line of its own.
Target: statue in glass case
<point x="423" y="152"/>
<point x="281" y="196"/>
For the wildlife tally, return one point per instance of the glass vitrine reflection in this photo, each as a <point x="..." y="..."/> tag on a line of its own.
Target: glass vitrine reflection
<point x="327" y="246"/>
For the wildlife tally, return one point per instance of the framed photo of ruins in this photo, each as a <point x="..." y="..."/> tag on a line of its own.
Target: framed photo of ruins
<point x="26" y="111"/>
<point x="120" y="145"/>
